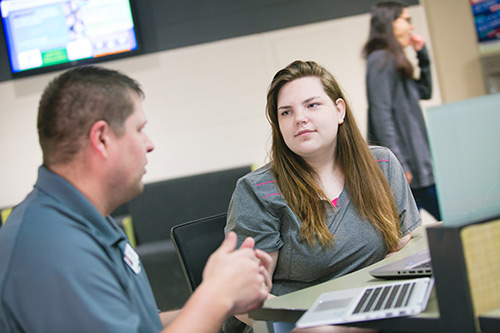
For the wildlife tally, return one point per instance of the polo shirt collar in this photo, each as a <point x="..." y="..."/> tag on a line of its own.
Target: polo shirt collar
<point x="83" y="210"/>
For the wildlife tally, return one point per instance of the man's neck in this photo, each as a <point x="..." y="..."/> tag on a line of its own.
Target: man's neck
<point x="80" y="177"/>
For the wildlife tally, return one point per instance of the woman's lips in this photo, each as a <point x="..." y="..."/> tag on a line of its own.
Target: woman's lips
<point x="304" y="132"/>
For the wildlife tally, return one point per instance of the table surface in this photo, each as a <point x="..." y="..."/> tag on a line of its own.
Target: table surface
<point x="291" y="306"/>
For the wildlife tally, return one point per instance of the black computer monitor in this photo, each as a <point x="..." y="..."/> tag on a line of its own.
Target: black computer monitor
<point x="46" y="35"/>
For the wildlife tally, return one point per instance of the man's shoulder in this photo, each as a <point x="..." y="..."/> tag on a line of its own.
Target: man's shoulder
<point x="39" y="243"/>
<point x="42" y="228"/>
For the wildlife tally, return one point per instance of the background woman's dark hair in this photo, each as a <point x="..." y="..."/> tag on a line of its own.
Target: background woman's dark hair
<point x="382" y="34"/>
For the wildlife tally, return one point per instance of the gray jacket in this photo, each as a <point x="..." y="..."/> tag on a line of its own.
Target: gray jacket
<point x="395" y="119"/>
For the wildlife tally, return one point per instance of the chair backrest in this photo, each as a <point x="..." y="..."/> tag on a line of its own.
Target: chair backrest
<point x="167" y="203"/>
<point x="195" y="241"/>
<point x="466" y="266"/>
<point x="481" y="246"/>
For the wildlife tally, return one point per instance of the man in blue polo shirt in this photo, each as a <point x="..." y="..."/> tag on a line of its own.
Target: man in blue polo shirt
<point x="65" y="266"/>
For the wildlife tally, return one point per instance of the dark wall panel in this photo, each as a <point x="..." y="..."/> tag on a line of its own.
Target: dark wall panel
<point x="169" y="24"/>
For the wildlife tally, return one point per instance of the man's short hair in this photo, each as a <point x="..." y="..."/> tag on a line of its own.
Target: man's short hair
<point x="74" y="101"/>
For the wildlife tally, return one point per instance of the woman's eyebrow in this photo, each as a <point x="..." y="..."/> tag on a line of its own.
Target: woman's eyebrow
<point x="310" y="99"/>
<point x="284" y="107"/>
<point x="304" y="102"/>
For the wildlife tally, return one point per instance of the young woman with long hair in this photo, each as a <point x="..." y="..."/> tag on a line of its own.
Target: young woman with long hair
<point x="327" y="204"/>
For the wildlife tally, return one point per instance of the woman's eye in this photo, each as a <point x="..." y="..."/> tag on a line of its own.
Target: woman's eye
<point x="284" y="113"/>
<point x="313" y="105"/>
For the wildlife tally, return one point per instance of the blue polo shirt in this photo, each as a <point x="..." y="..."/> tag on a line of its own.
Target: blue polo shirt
<point x="62" y="267"/>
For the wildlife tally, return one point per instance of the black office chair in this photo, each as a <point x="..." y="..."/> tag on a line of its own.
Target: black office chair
<point x="195" y="241"/>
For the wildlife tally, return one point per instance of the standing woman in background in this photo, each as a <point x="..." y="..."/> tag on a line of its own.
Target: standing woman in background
<point x="395" y="119"/>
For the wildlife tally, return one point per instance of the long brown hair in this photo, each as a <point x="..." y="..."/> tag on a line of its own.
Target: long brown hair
<point x="382" y="36"/>
<point x="367" y="186"/>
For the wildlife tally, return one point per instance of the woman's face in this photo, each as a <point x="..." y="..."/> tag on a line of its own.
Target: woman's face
<point x="402" y="28"/>
<point x="308" y="119"/>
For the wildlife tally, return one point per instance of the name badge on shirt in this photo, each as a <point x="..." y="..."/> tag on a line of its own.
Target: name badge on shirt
<point x="132" y="259"/>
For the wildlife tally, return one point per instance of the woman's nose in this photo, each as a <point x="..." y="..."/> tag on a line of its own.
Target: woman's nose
<point x="300" y="117"/>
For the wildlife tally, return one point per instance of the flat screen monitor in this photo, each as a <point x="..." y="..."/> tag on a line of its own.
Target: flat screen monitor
<point x="465" y="143"/>
<point x="45" y="35"/>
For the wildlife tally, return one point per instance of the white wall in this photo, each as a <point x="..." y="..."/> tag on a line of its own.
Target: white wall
<point x="205" y="103"/>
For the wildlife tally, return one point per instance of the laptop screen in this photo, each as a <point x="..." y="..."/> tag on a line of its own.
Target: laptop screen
<point x="465" y="145"/>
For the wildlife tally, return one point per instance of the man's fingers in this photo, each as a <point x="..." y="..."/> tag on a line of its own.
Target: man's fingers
<point x="229" y="243"/>
<point x="248" y="243"/>
<point x="268" y="284"/>
<point x="264" y="258"/>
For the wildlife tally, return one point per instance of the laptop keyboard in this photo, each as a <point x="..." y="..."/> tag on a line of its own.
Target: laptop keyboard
<point x="384" y="298"/>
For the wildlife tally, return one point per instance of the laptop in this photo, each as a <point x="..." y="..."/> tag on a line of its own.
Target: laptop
<point x="389" y="300"/>
<point x="416" y="265"/>
<point x="464" y="137"/>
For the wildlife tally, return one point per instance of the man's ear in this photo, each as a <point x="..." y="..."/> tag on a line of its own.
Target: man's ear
<point x="99" y="137"/>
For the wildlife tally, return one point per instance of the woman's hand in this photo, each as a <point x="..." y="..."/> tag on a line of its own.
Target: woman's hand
<point x="417" y="41"/>
<point x="402" y="243"/>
